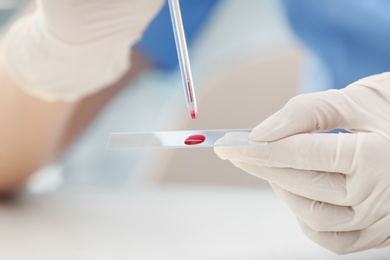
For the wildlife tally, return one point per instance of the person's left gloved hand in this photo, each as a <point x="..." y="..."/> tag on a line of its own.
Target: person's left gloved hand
<point x="338" y="185"/>
<point x="66" y="50"/>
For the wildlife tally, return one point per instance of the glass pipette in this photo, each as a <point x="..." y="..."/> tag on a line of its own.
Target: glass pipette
<point x="182" y="53"/>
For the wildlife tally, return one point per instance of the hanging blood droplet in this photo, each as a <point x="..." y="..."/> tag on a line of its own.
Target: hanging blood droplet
<point x="195" y="139"/>
<point x="194" y="115"/>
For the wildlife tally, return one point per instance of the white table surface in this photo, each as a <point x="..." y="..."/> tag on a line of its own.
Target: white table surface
<point x="158" y="223"/>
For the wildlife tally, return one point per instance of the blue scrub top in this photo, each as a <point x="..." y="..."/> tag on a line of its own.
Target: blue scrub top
<point x="158" y="43"/>
<point x="351" y="37"/>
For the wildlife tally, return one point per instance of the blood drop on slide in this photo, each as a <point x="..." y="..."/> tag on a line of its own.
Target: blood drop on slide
<point x="195" y="139"/>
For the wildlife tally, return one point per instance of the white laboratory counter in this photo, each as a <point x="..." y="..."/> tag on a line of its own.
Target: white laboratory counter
<point x="186" y="222"/>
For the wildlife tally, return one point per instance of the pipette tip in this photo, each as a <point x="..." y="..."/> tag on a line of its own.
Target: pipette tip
<point x="194" y="115"/>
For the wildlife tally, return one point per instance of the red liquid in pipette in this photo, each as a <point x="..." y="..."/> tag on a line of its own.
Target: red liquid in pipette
<point x="194" y="115"/>
<point x="195" y="139"/>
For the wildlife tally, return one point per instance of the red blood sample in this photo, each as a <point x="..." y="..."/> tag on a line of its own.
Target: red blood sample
<point x="195" y="139"/>
<point x="194" y="115"/>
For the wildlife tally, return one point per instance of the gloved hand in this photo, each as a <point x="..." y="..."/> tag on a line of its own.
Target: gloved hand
<point x="338" y="185"/>
<point x="68" y="49"/>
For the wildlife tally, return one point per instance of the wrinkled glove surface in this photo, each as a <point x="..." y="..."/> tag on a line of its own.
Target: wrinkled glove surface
<point x="69" y="49"/>
<point x="337" y="184"/>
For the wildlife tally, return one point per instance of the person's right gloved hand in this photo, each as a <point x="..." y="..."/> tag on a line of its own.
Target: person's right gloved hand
<point x="338" y="185"/>
<point x="68" y="49"/>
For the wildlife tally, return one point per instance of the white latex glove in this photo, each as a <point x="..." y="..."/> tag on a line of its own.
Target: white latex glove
<point x="68" y="49"/>
<point x="338" y="185"/>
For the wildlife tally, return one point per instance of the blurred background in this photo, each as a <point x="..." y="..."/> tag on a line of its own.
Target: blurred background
<point x="174" y="203"/>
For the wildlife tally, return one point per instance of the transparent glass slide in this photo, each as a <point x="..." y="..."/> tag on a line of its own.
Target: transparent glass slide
<point x="181" y="139"/>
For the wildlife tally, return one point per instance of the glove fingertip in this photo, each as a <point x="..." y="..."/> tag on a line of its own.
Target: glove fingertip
<point x="229" y="152"/>
<point x="261" y="133"/>
<point x="220" y="152"/>
<point x="267" y="132"/>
